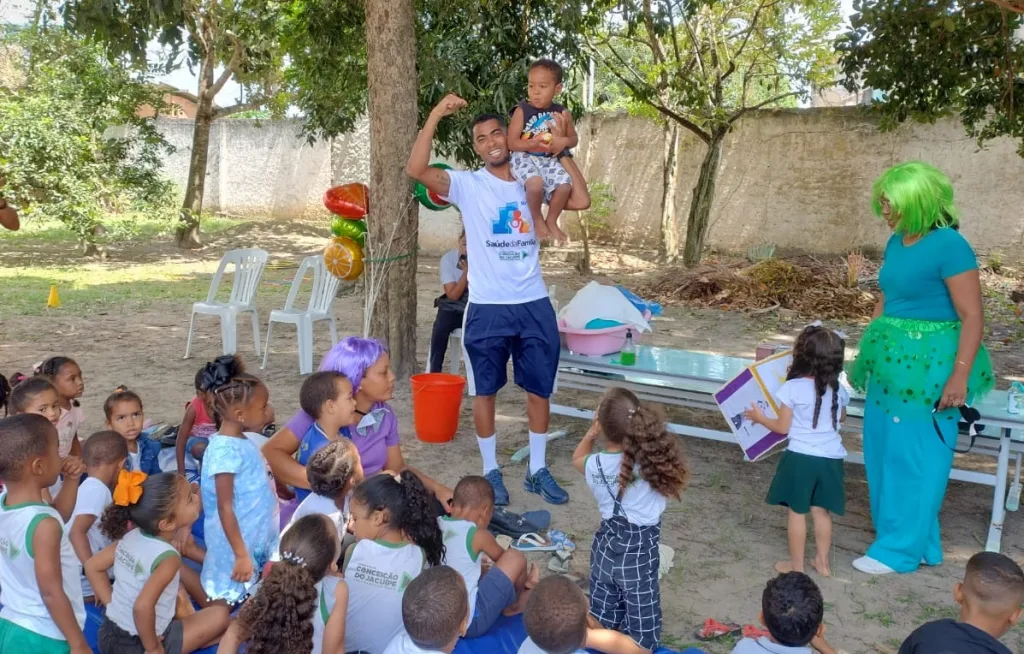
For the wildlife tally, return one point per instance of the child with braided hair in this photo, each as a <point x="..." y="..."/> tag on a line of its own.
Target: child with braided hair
<point x="641" y="466"/>
<point x="301" y="603"/>
<point x="241" y="524"/>
<point x="809" y="477"/>
<point x="142" y="604"/>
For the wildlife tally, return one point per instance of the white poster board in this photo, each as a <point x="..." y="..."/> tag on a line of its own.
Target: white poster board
<point x="758" y="385"/>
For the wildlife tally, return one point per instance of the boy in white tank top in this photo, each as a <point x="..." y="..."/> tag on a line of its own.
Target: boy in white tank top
<point x="506" y="585"/>
<point x="35" y="553"/>
<point x="435" y="613"/>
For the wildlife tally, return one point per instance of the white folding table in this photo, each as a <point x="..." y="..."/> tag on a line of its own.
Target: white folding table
<point x="690" y="379"/>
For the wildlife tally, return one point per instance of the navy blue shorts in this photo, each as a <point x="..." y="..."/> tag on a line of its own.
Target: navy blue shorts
<point x="527" y="333"/>
<point x="494" y="594"/>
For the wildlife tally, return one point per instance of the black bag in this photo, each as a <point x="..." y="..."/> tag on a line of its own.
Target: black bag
<point x="969" y="417"/>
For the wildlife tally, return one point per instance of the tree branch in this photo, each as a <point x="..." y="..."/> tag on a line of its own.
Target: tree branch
<point x="746" y="37"/>
<point x="1011" y="5"/>
<point x="233" y="64"/>
<point x="253" y="103"/>
<point x="736" y="116"/>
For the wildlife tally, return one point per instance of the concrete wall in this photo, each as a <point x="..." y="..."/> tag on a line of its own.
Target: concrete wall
<point x="798" y="179"/>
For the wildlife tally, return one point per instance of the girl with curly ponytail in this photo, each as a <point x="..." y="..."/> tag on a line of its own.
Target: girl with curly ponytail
<point x="301" y="604"/>
<point x="398" y="536"/>
<point x="641" y="466"/>
<point x="809" y="477"/>
<point x="141" y="606"/>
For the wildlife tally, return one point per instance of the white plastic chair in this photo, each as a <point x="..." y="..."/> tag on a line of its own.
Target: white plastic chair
<point x="454" y="352"/>
<point x="321" y="301"/>
<point x="249" y="265"/>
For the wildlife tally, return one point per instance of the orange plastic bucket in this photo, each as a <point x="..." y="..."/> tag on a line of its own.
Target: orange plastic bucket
<point x="436" y="403"/>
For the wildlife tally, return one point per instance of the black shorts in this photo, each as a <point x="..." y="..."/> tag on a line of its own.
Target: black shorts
<point x="115" y="640"/>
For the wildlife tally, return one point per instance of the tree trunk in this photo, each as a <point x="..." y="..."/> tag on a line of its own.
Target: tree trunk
<point x="394" y="218"/>
<point x="192" y="206"/>
<point x="669" y="175"/>
<point x="700" y="205"/>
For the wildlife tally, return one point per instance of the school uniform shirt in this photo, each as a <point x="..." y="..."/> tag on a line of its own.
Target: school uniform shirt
<point x="529" y="647"/>
<point x="459" y="554"/>
<point x="501" y="244"/>
<point x="951" y="637"/>
<point x="136" y="558"/>
<point x="93" y="498"/>
<point x="641" y="504"/>
<point x="318" y="504"/>
<point x="324" y="606"/>
<point x="402" y="644"/>
<point x="823" y="440"/>
<point x="377" y="574"/>
<point x="764" y="645"/>
<point x="19" y="591"/>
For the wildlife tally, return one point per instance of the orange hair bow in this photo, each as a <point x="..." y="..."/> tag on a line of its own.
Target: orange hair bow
<point x="129" y="487"/>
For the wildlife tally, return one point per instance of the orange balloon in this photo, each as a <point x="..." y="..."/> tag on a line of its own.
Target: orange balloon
<point x="344" y="258"/>
<point x="350" y="201"/>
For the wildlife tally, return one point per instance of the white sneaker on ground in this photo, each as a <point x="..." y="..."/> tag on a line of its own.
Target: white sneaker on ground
<point x="870" y="566"/>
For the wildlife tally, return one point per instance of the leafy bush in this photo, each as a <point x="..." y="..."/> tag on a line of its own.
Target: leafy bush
<point x="71" y="146"/>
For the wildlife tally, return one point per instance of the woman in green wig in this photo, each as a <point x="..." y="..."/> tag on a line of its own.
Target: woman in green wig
<point x="920" y="359"/>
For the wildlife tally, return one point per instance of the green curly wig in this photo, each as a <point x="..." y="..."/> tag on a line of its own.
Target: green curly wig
<point x="920" y="196"/>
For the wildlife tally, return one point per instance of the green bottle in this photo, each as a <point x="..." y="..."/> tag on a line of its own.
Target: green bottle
<point x="628" y="354"/>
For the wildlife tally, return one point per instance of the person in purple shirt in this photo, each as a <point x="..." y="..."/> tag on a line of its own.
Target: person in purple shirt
<point x="367" y="365"/>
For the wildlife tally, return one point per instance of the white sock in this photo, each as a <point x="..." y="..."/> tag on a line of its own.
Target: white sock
<point x="488" y="452"/>
<point x="538" y="451"/>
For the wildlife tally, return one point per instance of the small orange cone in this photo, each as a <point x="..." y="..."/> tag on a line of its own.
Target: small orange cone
<point x="53" y="302"/>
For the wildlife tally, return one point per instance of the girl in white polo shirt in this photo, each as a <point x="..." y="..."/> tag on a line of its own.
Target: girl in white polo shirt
<point x="142" y="603"/>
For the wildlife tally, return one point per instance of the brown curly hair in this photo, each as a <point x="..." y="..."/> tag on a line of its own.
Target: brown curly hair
<point x="279" y="618"/>
<point x="640" y="430"/>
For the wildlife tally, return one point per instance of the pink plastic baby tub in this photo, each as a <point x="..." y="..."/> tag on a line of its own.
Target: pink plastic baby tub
<point x="597" y="342"/>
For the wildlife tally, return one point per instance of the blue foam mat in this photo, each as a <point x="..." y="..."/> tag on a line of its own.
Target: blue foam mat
<point x="508" y="633"/>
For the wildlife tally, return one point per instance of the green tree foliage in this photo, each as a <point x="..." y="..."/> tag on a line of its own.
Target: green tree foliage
<point x="705" y="64"/>
<point x="220" y="40"/>
<point x="934" y="57"/>
<point x="478" y="49"/>
<point x="71" y="145"/>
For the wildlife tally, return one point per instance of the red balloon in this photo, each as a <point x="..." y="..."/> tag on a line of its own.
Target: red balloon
<point x="350" y="201"/>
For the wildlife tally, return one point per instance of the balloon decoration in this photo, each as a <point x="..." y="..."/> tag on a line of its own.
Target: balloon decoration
<point x="344" y="258"/>
<point x="354" y="229"/>
<point x="350" y="201"/>
<point x="428" y="198"/>
<point x="344" y="254"/>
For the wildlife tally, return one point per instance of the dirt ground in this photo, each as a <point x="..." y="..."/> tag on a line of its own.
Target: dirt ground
<point x="726" y="539"/>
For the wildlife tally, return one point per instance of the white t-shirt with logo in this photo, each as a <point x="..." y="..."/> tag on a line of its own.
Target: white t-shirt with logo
<point x="325" y="589"/>
<point x="501" y="244"/>
<point x="93" y="498"/>
<point x="377" y="575"/>
<point x="823" y="440"/>
<point x="136" y="558"/>
<point x="19" y="589"/>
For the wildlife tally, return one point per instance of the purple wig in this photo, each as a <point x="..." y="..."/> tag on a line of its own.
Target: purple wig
<point x="352" y="356"/>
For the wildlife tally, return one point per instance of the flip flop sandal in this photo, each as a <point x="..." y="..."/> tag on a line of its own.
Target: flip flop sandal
<point x="560" y="566"/>
<point x="752" y="631"/>
<point x="532" y="542"/>
<point x="561" y="540"/>
<point x="713" y="629"/>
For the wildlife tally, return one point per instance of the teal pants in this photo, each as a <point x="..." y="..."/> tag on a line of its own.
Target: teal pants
<point x="907" y="468"/>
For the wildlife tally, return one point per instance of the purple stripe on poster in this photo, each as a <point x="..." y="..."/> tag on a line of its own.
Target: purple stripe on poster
<point x="729" y="389"/>
<point x="760" y="447"/>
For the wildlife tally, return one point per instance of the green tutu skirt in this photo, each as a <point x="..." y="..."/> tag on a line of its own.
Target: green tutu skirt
<point x="910" y="361"/>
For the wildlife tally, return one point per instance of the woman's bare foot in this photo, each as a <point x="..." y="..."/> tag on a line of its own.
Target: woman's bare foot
<point x="782" y="567"/>
<point x="821" y="566"/>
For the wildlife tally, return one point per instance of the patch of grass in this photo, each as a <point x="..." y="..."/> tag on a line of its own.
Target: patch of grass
<point x="121" y="227"/>
<point x="931" y="612"/>
<point x="881" y="618"/>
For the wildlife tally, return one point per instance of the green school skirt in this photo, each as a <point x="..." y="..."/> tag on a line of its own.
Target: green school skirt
<point x="802" y="481"/>
<point x="15" y="638"/>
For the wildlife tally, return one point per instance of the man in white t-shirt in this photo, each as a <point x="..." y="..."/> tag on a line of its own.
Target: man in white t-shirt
<point x="509" y="314"/>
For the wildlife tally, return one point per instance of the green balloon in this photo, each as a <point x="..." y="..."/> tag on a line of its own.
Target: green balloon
<point x="354" y="229"/>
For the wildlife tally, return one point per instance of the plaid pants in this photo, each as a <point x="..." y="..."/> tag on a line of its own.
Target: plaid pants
<point x="624" y="591"/>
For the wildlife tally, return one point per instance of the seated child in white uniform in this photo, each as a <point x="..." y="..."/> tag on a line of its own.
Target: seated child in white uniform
<point x="435" y="613"/>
